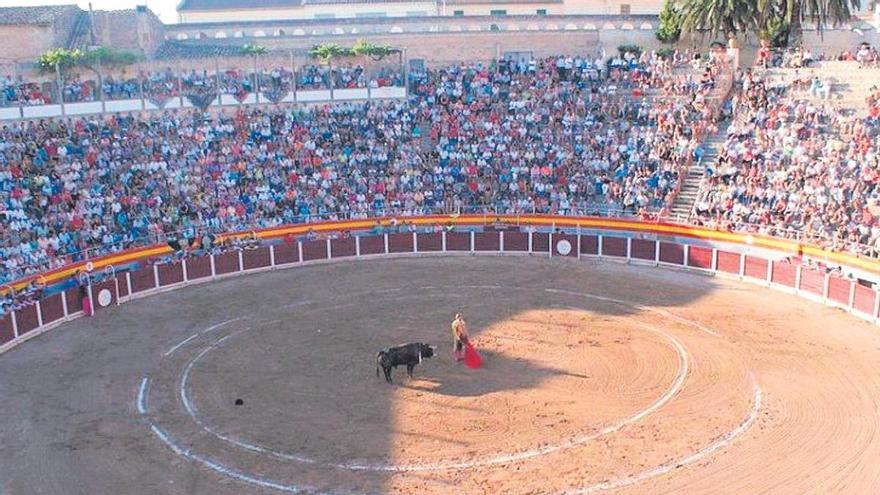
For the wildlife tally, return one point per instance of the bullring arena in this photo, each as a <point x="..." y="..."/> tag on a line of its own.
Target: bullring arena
<point x="613" y="362"/>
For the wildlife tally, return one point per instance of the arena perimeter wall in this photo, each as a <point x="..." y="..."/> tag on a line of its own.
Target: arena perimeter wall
<point x="757" y="259"/>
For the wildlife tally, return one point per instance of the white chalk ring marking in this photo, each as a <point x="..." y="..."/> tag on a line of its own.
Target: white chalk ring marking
<point x="563" y="247"/>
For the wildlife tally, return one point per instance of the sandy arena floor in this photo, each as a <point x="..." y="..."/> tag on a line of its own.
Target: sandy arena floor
<point x="597" y="377"/>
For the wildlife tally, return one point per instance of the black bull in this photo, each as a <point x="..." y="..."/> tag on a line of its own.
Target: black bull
<point x="408" y="354"/>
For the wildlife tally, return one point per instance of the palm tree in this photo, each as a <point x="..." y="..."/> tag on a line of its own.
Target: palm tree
<point x="719" y="16"/>
<point x="820" y="12"/>
<point x="255" y="51"/>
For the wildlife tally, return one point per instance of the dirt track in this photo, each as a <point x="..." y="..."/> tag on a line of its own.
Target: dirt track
<point x="597" y="377"/>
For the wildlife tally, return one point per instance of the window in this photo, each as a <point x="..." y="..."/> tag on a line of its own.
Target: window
<point x="542" y="12"/>
<point x="625" y="9"/>
<point x="458" y="13"/>
<point x="498" y="12"/>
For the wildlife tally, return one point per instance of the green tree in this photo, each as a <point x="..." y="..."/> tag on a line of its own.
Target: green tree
<point x="669" y="30"/>
<point x="719" y="16"/>
<point x="109" y="57"/>
<point x="326" y="52"/>
<point x="821" y="12"/>
<point x="59" y="60"/>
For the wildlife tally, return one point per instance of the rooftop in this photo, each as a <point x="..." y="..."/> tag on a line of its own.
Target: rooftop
<point x="35" y="15"/>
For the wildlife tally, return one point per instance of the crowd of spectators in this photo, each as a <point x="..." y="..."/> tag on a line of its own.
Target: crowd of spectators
<point x="511" y="137"/>
<point x="798" y="167"/>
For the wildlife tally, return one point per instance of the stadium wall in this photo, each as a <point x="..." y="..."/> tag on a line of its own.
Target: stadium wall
<point x="761" y="260"/>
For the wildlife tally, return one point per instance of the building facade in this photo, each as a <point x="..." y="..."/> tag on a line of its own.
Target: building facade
<point x="204" y="11"/>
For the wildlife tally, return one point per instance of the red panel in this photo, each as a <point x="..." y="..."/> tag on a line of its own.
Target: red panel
<point x="169" y="273"/>
<point x="27" y="319"/>
<point x="52" y="308"/>
<point x="812" y="281"/>
<point x="400" y="243"/>
<point x="458" y="241"/>
<point x="864" y="300"/>
<point x="109" y="285"/>
<point x="540" y="242"/>
<point x="572" y="240"/>
<point x="728" y="262"/>
<point x="487" y="241"/>
<point x="226" y="262"/>
<point x="141" y="280"/>
<point x="430" y="242"/>
<point x="756" y="267"/>
<point x="6" y="332"/>
<point x="123" y="285"/>
<point x="342" y="247"/>
<point x="784" y="273"/>
<point x="314" y="250"/>
<point x="838" y="290"/>
<point x="589" y="244"/>
<point x="516" y="241"/>
<point x="700" y="257"/>
<point x="672" y="253"/>
<point x="613" y="246"/>
<point x="286" y="252"/>
<point x="256" y="258"/>
<point x="642" y="249"/>
<point x="373" y="244"/>
<point x="198" y="267"/>
<point x="74" y="300"/>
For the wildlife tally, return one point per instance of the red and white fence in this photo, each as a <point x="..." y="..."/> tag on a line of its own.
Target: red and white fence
<point x="47" y="313"/>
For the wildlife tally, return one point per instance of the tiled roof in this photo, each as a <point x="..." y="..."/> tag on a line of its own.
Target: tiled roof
<point x="34" y="15"/>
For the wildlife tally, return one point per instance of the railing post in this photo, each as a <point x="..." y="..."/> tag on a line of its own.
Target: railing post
<point x="714" y="259"/>
<point x="39" y="314"/>
<point x="443" y="240"/>
<point x="797" y="279"/>
<point x="742" y="265"/>
<point x="579" y="243"/>
<point x="473" y="246"/>
<point x="687" y="254"/>
<point x="213" y="266"/>
<point x="415" y="242"/>
<point x="64" y="302"/>
<point x="657" y="252"/>
<point x="628" y="249"/>
<point x="550" y="244"/>
<point x="183" y="266"/>
<point x="876" y="304"/>
<point x="241" y="260"/>
<point x="299" y="250"/>
<point x="825" y="286"/>
<point x="357" y="246"/>
<point x="501" y="242"/>
<point x="329" y="252"/>
<point x="156" y="276"/>
<point x="272" y="255"/>
<point x="530" y="242"/>
<point x="599" y="245"/>
<point x="127" y="284"/>
<point x="769" y="272"/>
<point x="852" y="294"/>
<point x="386" y="243"/>
<point x="15" y="324"/>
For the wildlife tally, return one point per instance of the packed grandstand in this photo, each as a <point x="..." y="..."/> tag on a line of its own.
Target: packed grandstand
<point x="564" y="135"/>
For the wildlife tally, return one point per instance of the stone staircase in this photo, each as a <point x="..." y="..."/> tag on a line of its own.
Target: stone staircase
<point x="850" y="85"/>
<point x="693" y="180"/>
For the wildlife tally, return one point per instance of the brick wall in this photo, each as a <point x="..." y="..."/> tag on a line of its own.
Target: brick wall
<point x="25" y="41"/>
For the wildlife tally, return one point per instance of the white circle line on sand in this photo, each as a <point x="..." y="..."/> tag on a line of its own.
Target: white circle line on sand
<point x="667" y="467"/>
<point x="443" y="466"/>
